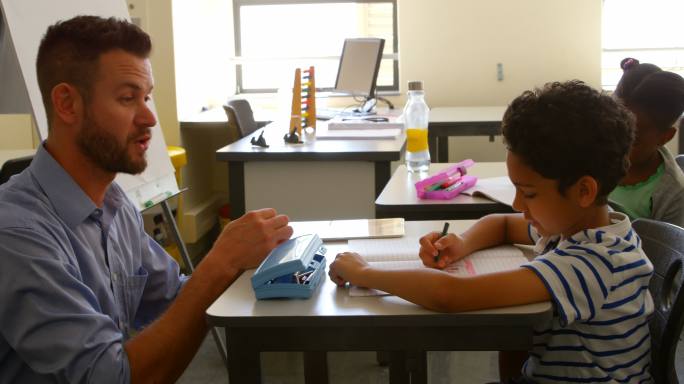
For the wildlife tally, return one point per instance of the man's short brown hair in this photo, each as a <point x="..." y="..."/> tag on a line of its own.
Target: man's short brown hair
<point x="70" y="49"/>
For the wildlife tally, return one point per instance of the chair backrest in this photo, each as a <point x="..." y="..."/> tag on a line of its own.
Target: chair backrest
<point x="240" y="113"/>
<point x="680" y="161"/>
<point x="663" y="243"/>
<point x="14" y="166"/>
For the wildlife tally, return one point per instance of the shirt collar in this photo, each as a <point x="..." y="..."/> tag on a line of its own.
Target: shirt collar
<point x="68" y="199"/>
<point x="619" y="226"/>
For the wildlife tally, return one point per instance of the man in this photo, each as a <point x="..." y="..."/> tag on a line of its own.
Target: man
<point x="86" y="295"/>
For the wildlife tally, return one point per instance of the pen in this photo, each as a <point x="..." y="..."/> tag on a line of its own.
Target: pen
<point x="444" y="233"/>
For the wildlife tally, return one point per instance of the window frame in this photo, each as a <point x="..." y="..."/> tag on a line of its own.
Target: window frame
<point x="632" y="51"/>
<point x="239" y="88"/>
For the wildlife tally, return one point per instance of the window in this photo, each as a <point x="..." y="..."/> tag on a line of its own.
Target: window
<point x="273" y="37"/>
<point x="649" y="31"/>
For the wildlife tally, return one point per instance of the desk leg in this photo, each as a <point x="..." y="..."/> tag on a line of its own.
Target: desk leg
<point x="244" y="364"/>
<point x="432" y="147"/>
<point x="398" y="372"/>
<point x="382" y="176"/>
<point x="236" y="188"/>
<point x="443" y="149"/>
<point x="316" y="367"/>
<point x="417" y="366"/>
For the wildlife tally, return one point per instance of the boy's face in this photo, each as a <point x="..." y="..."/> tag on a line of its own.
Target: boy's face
<point x="539" y="200"/>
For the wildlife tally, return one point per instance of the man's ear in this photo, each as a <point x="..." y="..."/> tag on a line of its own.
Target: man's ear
<point x="586" y="191"/>
<point x="67" y="103"/>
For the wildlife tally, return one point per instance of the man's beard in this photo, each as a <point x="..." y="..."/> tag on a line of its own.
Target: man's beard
<point x="104" y="149"/>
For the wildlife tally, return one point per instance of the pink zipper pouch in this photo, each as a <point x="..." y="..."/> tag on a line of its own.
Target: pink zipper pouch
<point x="446" y="184"/>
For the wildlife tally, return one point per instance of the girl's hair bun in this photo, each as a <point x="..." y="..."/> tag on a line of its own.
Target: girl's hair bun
<point x="628" y="63"/>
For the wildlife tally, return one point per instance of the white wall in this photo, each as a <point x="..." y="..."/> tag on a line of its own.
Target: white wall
<point x="156" y="19"/>
<point x="203" y="51"/>
<point x="454" y="47"/>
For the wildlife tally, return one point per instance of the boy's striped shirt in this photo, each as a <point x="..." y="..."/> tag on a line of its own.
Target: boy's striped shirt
<point x="598" y="281"/>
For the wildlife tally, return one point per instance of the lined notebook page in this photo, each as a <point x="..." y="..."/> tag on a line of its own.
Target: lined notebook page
<point x="402" y="253"/>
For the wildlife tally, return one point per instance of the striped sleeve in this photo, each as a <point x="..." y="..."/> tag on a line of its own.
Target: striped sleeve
<point x="578" y="285"/>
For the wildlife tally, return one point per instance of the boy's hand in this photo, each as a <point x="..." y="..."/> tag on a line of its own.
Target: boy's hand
<point x="450" y="247"/>
<point x="346" y="268"/>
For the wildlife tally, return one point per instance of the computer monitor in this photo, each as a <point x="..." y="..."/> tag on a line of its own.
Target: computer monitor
<point x="358" y="71"/>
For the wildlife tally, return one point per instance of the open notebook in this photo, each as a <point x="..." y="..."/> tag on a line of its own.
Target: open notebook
<point x="402" y="253"/>
<point x="499" y="189"/>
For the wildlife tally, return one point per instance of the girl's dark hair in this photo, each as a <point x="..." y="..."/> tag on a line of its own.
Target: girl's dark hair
<point x="564" y="131"/>
<point x="656" y="93"/>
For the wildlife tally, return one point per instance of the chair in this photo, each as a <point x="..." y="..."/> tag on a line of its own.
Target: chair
<point x="680" y="161"/>
<point x="14" y="166"/>
<point x="241" y="116"/>
<point x="663" y="243"/>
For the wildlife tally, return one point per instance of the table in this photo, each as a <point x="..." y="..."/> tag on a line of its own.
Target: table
<point x="398" y="198"/>
<point x="331" y="320"/>
<point x="312" y="181"/>
<point x="461" y="121"/>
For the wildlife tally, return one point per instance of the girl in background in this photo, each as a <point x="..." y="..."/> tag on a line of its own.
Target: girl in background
<point x="654" y="184"/>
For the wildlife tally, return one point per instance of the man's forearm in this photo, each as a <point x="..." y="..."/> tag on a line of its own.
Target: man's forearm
<point x="162" y="351"/>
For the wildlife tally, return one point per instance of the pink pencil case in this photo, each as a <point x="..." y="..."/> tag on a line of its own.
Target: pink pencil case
<point x="448" y="183"/>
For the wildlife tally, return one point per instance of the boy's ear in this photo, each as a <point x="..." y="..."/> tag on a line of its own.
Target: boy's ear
<point x="67" y="103"/>
<point x="586" y="191"/>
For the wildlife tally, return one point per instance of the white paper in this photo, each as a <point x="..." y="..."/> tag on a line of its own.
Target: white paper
<point x="402" y="253"/>
<point x="499" y="189"/>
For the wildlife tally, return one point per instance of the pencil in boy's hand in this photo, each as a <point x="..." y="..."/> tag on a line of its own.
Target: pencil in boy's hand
<point x="444" y="233"/>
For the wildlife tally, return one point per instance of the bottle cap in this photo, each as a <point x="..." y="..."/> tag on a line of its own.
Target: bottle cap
<point x="415" y="85"/>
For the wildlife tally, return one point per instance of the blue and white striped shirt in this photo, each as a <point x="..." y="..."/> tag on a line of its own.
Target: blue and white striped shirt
<point x="598" y="280"/>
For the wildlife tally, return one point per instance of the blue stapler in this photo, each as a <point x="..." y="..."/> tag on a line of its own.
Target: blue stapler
<point x="292" y="270"/>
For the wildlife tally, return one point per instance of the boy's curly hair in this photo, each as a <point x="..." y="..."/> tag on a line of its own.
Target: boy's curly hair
<point x="564" y="131"/>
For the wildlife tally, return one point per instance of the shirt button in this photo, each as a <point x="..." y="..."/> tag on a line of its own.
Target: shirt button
<point x="115" y="277"/>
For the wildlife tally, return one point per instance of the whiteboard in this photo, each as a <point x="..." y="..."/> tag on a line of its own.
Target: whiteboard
<point x="27" y="21"/>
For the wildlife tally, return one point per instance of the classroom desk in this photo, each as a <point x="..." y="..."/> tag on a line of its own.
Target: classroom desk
<point x="311" y="181"/>
<point x="331" y="320"/>
<point x="398" y="198"/>
<point x="461" y="121"/>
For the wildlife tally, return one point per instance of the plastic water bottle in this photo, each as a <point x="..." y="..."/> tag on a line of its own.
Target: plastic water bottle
<point x="416" y="114"/>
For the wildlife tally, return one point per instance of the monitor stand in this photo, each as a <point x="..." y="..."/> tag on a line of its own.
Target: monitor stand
<point x="368" y="107"/>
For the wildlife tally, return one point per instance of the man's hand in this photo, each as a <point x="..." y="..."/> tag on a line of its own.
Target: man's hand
<point x="450" y="247"/>
<point x="245" y="242"/>
<point x="347" y="267"/>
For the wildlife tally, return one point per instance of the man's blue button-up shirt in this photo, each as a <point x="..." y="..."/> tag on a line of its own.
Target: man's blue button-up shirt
<point x="75" y="279"/>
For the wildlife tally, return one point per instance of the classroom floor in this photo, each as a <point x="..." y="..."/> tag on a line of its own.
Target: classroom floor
<point x="357" y="367"/>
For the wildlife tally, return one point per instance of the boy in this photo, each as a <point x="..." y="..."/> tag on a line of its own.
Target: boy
<point x="567" y="149"/>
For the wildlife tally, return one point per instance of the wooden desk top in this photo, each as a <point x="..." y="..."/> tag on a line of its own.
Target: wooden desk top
<point x="354" y="150"/>
<point x="332" y="306"/>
